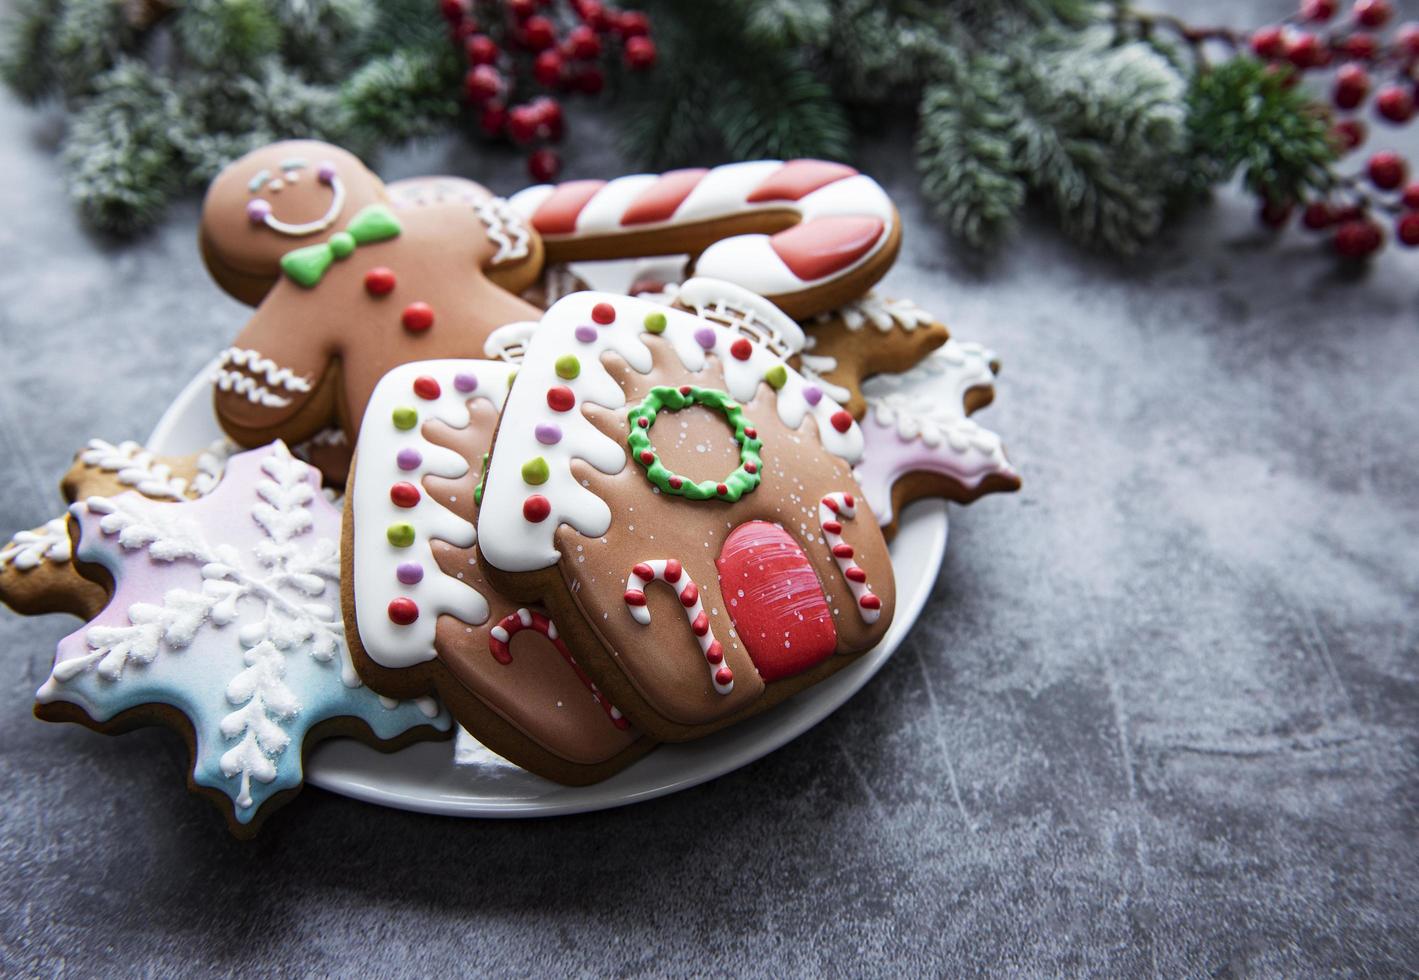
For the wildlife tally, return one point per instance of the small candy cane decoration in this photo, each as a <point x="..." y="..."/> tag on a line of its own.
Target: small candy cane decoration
<point x="525" y="619"/>
<point x="844" y="506"/>
<point x="671" y="572"/>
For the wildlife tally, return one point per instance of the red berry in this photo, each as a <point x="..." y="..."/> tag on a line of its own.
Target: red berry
<point x="1358" y="238"/>
<point x="583" y="43"/>
<point x="1318" y="10"/>
<point x="1360" y="46"/>
<point x="547" y="69"/>
<point x="1410" y="197"/>
<point x="633" y="23"/>
<point x="522" y="9"/>
<point x="1304" y="50"/>
<point x="453" y="10"/>
<point x="493" y="118"/>
<point x="1348" y="133"/>
<point x="1387" y="170"/>
<point x="1395" y="104"/>
<point x="544" y="165"/>
<point x="594" y="14"/>
<point x="1268" y="42"/>
<point x="640" y="53"/>
<point x="480" y="50"/>
<point x="482" y="83"/>
<point x="538" y="33"/>
<point x="464" y="29"/>
<point x="1373" y="13"/>
<point x="1274" y="214"/>
<point x="1407" y="230"/>
<point x="1317" y="216"/>
<point x="549" y="117"/>
<point x="522" y="124"/>
<point x="590" y="80"/>
<point x="1352" y="84"/>
<point x="1406" y="39"/>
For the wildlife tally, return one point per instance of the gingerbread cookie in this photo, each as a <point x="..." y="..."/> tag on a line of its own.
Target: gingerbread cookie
<point x="350" y="282"/>
<point x="919" y="441"/>
<point x="682" y="500"/>
<point x="807" y="234"/>
<point x="422" y="617"/>
<point x="222" y="623"/>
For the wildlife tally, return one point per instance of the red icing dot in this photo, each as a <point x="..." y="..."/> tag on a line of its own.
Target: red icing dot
<point x="741" y="349"/>
<point x="603" y="313"/>
<point x="643" y="422"/>
<point x="855" y="573"/>
<point x="684" y="389"/>
<point x="870" y="601"/>
<point x="842" y="551"/>
<point x="675" y="482"/>
<point x="426" y="387"/>
<point x="673" y="568"/>
<point x="404" y="494"/>
<point x="724" y="677"/>
<point x="849" y="500"/>
<point x="721" y="489"/>
<point x="379" y="281"/>
<point x="750" y="468"/>
<point x="832" y="527"/>
<point x="417" y="317"/>
<point x="689" y="595"/>
<point x="647" y="457"/>
<point x="701" y="624"/>
<point x="715" y="653"/>
<point x="403" y="611"/>
<point x="750" y="432"/>
<point x="560" y="398"/>
<point x="644" y="572"/>
<point x="635" y="597"/>
<point x="842" y="421"/>
<point x="536" y="508"/>
<point x="831" y="504"/>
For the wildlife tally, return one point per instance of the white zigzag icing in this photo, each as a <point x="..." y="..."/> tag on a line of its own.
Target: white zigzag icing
<point x="264" y="368"/>
<point x="30" y="549"/>
<point x="504" y="228"/>
<point x="245" y="384"/>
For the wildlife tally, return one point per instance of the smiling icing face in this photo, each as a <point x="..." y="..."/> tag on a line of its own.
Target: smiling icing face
<point x="273" y="200"/>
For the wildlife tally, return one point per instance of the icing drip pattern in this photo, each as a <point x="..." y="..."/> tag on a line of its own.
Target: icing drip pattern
<point x="672" y="573"/>
<point x="832" y="511"/>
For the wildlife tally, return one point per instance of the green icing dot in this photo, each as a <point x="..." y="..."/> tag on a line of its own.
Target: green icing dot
<point x="400" y="535"/>
<point x="342" y="243"/>
<point x="405" y="417"/>
<point x="777" y="376"/>
<point x="655" y="322"/>
<point x="535" y="471"/>
<point x="568" y="367"/>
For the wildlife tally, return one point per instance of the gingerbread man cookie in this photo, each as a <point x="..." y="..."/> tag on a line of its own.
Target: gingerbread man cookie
<point x="421" y="615"/>
<point x="807" y="234"/>
<point x="222" y="622"/>
<point x="350" y="282"/>
<point x="682" y="500"/>
<point x="919" y="439"/>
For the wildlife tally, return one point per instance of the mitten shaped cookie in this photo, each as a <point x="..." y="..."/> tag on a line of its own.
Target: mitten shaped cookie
<point x="919" y="440"/>
<point x="807" y="234"/>
<point x="420" y="613"/>
<point x="222" y="622"/>
<point x="350" y="283"/>
<point x="682" y="501"/>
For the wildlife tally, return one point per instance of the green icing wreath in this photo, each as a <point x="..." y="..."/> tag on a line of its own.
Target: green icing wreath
<point x="732" y="487"/>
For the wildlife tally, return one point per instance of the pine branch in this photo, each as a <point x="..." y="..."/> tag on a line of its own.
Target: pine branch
<point x="89" y="37"/>
<point x="26" y="37"/>
<point x="226" y="35"/>
<point x="401" y="96"/>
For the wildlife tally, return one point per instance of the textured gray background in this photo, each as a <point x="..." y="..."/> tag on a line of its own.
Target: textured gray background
<point x="1159" y="717"/>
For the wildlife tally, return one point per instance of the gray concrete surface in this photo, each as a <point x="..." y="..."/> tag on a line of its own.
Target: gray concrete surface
<point x="1159" y="718"/>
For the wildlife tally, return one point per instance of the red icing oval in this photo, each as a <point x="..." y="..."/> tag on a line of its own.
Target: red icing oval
<point x="558" y="214"/>
<point x="426" y="387"/>
<point x="417" y="317"/>
<point x="824" y="246"/>
<point x="741" y="349"/>
<point x="782" y="618"/>
<point x="659" y="201"/>
<point x="560" y="398"/>
<point x="799" y="178"/>
<point x="404" y="494"/>
<point x="403" y="611"/>
<point x="536" y="508"/>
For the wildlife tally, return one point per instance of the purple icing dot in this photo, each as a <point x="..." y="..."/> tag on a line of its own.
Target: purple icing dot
<point x="257" y="210"/>
<point x="549" y="433"/>
<point x="705" y="336"/>
<point x="465" y="382"/>
<point x="409" y="459"/>
<point x="410" y="572"/>
<point x="326" y="173"/>
<point x="812" y="394"/>
<point x="585" y="333"/>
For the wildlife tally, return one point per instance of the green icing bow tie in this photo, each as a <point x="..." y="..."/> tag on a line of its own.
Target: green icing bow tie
<point x="375" y="223"/>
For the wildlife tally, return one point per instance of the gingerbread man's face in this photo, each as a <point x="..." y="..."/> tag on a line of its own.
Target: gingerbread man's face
<point x="273" y="200"/>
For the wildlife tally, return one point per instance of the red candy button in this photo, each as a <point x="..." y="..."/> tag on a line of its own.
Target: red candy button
<point x="536" y="508"/>
<point x="842" y="421"/>
<point x="426" y="387"/>
<point x="560" y="398"/>
<point x="603" y="313"/>
<point x="379" y="281"/>
<point x="741" y="349"/>
<point x="417" y="317"/>
<point x="403" y="611"/>
<point x="404" y="494"/>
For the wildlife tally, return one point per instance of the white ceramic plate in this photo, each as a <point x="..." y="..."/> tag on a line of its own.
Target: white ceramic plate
<point x="462" y="778"/>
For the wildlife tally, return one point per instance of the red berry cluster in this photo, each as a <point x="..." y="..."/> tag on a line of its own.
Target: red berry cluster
<point x="519" y="47"/>
<point x="1373" y="65"/>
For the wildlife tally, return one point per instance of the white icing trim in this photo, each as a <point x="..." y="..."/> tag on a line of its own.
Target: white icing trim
<point x="661" y="570"/>
<point x="264" y="369"/>
<point x="505" y="229"/>
<point x="733" y="305"/>
<point x="509" y="342"/>
<point x="832" y="511"/>
<point x="135" y="467"/>
<point x="30" y="549"/>
<point x="245" y="384"/>
<point x="881" y="312"/>
<point x="337" y="201"/>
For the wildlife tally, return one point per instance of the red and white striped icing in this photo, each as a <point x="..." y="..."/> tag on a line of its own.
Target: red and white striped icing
<point x="672" y="573"/>
<point x="832" y="511"/>
<point x="845" y="217"/>
<point x="499" y="645"/>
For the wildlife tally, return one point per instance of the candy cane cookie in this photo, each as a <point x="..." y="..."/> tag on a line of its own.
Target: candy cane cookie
<point x="655" y="483"/>
<point x="808" y="234"/>
<point x="420" y="612"/>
